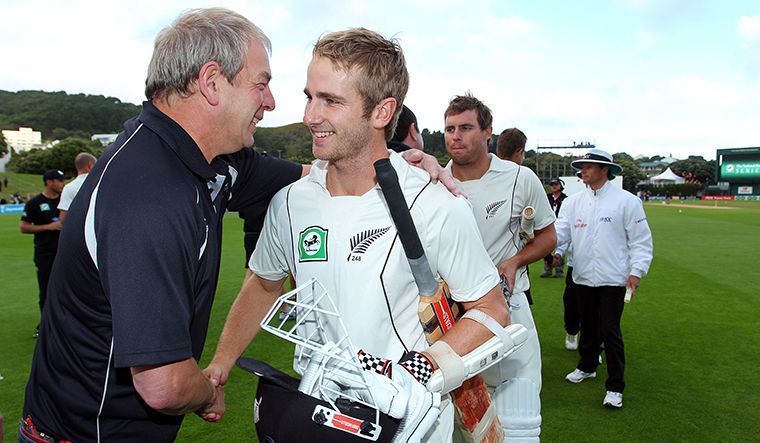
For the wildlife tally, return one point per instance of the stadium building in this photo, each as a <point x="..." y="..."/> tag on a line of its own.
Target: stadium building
<point x="738" y="170"/>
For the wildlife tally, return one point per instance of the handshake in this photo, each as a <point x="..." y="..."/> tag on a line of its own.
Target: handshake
<point x="214" y="410"/>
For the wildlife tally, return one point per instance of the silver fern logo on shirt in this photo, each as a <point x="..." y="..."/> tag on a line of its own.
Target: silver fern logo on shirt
<point x="493" y="208"/>
<point x="362" y="241"/>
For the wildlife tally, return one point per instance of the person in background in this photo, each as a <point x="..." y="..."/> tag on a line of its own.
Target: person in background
<point x="511" y="145"/>
<point x="42" y="218"/>
<point x="555" y="200"/>
<point x="83" y="162"/>
<point x="407" y="134"/>
<point x="612" y="251"/>
<point x="498" y="192"/>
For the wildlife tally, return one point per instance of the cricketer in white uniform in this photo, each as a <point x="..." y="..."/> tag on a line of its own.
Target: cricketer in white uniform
<point x="498" y="191"/>
<point x="334" y="224"/>
<point x="349" y="244"/>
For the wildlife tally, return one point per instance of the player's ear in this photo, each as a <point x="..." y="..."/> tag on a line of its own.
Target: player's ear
<point x="209" y="78"/>
<point x="383" y="113"/>
<point x="489" y="132"/>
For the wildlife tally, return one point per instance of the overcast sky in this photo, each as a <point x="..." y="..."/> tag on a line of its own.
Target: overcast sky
<point x="678" y="77"/>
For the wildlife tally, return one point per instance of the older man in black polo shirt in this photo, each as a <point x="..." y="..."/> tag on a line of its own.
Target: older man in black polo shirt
<point x="131" y="304"/>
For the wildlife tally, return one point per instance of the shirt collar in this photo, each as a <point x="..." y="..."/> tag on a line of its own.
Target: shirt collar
<point x="318" y="173"/>
<point x="600" y="191"/>
<point x="178" y="140"/>
<point x="497" y="165"/>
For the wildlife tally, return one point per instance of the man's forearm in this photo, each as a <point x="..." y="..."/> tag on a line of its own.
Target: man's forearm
<point x="467" y="334"/>
<point x="174" y="389"/>
<point x="29" y="228"/>
<point x="242" y="325"/>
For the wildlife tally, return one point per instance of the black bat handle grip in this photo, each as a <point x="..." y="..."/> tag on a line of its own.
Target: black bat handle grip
<point x="407" y="233"/>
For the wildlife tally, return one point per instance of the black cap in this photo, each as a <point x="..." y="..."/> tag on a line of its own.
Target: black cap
<point x="53" y="174"/>
<point x="555" y="181"/>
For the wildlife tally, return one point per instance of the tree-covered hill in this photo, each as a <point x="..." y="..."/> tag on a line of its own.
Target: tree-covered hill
<point x="291" y="141"/>
<point x="59" y="115"/>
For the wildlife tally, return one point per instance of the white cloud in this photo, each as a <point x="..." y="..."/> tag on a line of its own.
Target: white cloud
<point x="618" y="88"/>
<point x="705" y="93"/>
<point x="748" y="28"/>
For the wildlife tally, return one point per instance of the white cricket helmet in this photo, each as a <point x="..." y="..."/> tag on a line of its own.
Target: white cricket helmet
<point x="335" y="395"/>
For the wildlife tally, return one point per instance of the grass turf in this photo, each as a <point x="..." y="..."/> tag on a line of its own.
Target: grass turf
<point x="691" y="338"/>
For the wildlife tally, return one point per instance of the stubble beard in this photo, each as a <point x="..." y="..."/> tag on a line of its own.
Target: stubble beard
<point x="347" y="146"/>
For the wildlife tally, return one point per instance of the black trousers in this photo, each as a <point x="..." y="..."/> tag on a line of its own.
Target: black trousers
<point x="572" y="304"/>
<point x="44" y="266"/>
<point x="601" y="310"/>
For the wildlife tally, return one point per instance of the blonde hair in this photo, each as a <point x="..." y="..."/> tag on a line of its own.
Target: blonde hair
<point x="378" y="64"/>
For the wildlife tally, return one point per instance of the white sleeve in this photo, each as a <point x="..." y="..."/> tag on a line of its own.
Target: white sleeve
<point x="457" y="254"/>
<point x="269" y="260"/>
<point x="562" y="248"/>
<point x="67" y="195"/>
<point x="536" y="197"/>
<point x="562" y="225"/>
<point x="639" y="238"/>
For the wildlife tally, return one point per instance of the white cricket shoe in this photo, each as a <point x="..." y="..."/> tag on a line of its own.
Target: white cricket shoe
<point x="613" y="399"/>
<point x="571" y="342"/>
<point x="578" y="376"/>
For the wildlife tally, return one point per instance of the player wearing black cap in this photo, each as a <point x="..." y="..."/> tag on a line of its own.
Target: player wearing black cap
<point x="40" y="218"/>
<point x="555" y="200"/>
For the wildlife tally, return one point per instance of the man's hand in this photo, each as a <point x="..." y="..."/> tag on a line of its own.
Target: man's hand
<point x="427" y="162"/>
<point x="633" y="283"/>
<point x="557" y="261"/>
<point x="217" y="373"/>
<point x="54" y="226"/>
<point x="508" y="270"/>
<point x="214" y="411"/>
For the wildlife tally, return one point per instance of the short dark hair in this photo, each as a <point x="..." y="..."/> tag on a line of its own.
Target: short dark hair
<point x="462" y="103"/>
<point x="510" y="141"/>
<point x="405" y="119"/>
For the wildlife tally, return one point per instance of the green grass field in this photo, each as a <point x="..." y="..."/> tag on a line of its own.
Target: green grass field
<point x="692" y="338"/>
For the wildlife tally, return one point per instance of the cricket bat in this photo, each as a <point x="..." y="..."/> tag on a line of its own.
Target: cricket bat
<point x="526" y="223"/>
<point x="437" y="312"/>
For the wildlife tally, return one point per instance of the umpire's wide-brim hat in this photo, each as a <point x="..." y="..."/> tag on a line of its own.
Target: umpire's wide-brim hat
<point x="602" y="158"/>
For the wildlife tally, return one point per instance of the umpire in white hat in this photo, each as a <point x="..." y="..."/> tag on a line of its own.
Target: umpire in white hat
<point x="612" y="251"/>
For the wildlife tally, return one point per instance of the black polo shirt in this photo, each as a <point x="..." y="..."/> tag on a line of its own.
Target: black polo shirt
<point x="40" y="210"/>
<point x="143" y="246"/>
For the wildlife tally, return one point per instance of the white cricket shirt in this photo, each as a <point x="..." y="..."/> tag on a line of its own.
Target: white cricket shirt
<point x="498" y="199"/>
<point x="70" y="191"/>
<point x="349" y="244"/>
